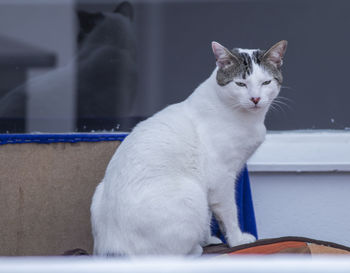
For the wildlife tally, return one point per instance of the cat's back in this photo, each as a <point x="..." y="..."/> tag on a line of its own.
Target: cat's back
<point x="164" y="144"/>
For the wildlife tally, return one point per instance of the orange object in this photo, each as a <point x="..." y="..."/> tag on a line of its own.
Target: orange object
<point x="280" y="247"/>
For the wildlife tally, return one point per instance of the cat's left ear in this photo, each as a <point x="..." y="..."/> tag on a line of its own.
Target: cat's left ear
<point x="224" y="58"/>
<point x="275" y="54"/>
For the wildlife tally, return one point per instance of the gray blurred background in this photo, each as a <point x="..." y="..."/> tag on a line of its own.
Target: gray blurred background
<point x="159" y="55"/>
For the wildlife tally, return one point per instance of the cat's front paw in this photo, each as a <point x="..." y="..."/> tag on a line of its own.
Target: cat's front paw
<point x="247" y="238"/>
<point x="244" y="238"/>
<point x="212" y="240"/>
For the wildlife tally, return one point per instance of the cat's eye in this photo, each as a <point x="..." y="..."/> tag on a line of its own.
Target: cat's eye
<point x="241" y="84"/>
<point x="266" y="82"/>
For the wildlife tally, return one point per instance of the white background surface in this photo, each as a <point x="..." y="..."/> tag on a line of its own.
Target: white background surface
<point x="301" y="186"/>
<point x="243" y="264"/>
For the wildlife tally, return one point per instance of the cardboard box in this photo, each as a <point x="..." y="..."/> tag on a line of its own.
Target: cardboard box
<point x="45" y="195"/>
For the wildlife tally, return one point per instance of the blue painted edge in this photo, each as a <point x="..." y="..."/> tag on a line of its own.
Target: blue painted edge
<point x="56" y="138"/>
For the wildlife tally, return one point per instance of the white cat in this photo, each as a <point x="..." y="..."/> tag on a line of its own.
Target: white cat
<point x="181" y="164"/>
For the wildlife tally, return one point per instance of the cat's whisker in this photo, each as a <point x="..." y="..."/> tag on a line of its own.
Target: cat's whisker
<point x="235" y="105"/>
<point x="286" y="87"/>
<point x="284" y="98"/>
<point x="276" y="108"/>
<point x="272" y="108"/>
<point x="282" y="103"/>
<point x="285" y="101"/>
<point x="277" y="105"/>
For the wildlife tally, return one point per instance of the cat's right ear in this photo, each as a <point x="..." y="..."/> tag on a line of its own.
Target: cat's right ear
<point x="275" y="54"/>
<point x="224" y="57"/>
<point x="126" y="9"/>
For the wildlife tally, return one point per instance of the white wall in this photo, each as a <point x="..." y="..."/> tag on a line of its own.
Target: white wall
<point x="314" y="205"/>
<point x="301" y="186"/>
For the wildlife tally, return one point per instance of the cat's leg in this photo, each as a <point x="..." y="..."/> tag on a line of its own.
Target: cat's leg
<point x="224" y="208"/>
<point x="196" y="251"/>
<point x="212" y="240"/>
<point x="209" y="239"/>
<point x="228" y="223"/>
<point x="97" y="221"/>
<point x="177" y="228"/>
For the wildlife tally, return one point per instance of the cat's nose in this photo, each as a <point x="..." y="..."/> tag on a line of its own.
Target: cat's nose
<point x="255" y="100"/>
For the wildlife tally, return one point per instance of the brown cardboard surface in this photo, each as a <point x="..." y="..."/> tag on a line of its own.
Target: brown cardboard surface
<point x="45" y="195"/>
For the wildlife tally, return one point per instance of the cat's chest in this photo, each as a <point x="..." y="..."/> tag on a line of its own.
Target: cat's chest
<point x="228" y="150"/>
<point x="234" y="145"/>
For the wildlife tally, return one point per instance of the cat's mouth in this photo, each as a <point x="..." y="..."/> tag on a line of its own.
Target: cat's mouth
<point x="256" y="107"/>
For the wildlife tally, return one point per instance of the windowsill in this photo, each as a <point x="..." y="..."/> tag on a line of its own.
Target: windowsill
<point x="303" y="151"/>
<point x="289" y="151"/>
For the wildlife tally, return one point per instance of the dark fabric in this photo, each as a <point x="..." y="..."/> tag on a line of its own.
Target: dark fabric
<point x="246" y="215"/>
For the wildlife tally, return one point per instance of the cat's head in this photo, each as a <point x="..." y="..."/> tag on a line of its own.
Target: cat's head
<point x="249" y="79"/>
<point x="105" y="27"/>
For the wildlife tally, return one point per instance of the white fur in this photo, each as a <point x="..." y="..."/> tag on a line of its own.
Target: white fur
<point x="176" y="166"/>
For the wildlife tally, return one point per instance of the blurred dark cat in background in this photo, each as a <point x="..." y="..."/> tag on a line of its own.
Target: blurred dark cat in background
<point x="107" y="74"/>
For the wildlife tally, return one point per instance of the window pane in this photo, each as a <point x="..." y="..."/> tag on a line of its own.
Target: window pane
<point x="68" y="66"/>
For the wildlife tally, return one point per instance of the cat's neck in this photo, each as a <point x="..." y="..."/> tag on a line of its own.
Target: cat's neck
<point x="208" y="104"/>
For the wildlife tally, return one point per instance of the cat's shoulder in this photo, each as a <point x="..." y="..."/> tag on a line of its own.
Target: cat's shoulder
<point x="172" y="120"/>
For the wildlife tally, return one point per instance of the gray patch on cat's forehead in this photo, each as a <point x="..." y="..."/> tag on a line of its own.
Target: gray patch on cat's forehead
<point x="273" y="70"/>
<point x="242" y="66"/>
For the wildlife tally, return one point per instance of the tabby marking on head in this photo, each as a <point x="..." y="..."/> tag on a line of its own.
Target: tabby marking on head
<point x="243" y="62"/>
